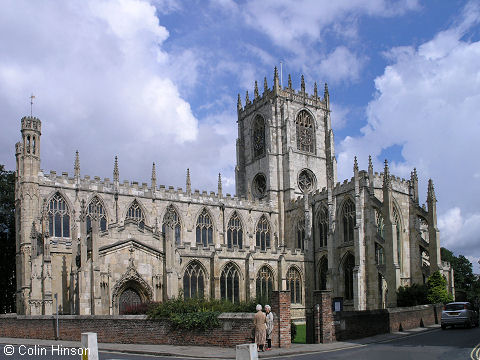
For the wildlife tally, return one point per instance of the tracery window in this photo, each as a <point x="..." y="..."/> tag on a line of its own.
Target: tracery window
<point x="379" y="254"/>
<point x="305" y="132"/>
<point x="380" y="223"/>
<point x="172" y="214"/>
<point x="204" y="228"/>
<point x="194" y="281"/>
<point x="396" y="221"/>
<point x="264" y="284"/>
<point x="258" y="137"/>
<point x="230" y="284"/>
<point x="301" y="234"/>
<point x="95" y="209"/>
<point x="259" y="186"/>
<point x="423" y="227"/>
<point x="323" y="226"/>
<point x="234" y="232"/>
<point x="262" y="233"/>
<point x="323" y="273"/>
<point x="58" y="217"/>
<point x="136" y="214"/>
<point x="294" y="285"/>
<point x="348" y="220"/>
<point x="348" y="265"/>
<point x="306" y="181"/>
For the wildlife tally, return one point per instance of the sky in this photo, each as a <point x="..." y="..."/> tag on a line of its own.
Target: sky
<point x="157" y="81"/>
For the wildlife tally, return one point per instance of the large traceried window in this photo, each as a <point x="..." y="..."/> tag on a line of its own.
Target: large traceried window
<point x="136" y="214"/>
<point x="264" y="284"/>
<point x="204" y="232"/>
<point x="262" y="233"/>
<point x="323" y="273"/>
<point x="301" y="234"/>
<point x="348" y="265"/>
<point x="234" y="232"/>
<point x="95" y="209"/>
<point x="294" y="285"/>
<point x="380" y="223"/>
<point x="348" y="218"/>
<point x="230" y="284"/>
<point x="258" y="137"/>
<point x="194" y="281"/>
<point x="396" y="221"/>
<point x="171" y="213"/>
<point x="58" y="217"/>
<point x="323" y="226"/>
<point x="305" y="132"/>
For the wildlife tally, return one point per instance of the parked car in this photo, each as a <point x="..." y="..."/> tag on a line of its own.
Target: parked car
<point x="459" y="313"/>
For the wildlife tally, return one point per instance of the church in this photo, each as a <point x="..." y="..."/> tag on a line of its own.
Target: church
<point x="99" y="246"/>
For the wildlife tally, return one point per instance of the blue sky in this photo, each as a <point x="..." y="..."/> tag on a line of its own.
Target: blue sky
<point x="157" y="81"/>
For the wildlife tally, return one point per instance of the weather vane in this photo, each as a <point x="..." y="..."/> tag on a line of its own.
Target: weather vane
<point x="31" y="104"/>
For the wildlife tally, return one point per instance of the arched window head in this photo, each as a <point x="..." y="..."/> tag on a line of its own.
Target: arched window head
<point x="323" y="226"/>
<point x="234" y="232"/>
<point x="301" y="233"/>
<point x="204" y="232"/>
<point x="348" y="216"/>
<point x="323" y="273"/>
<point x="95" y="210"/>
<point x="58" y="217"/>
<point x="348" y="266"/>
<point x="258" y="137"/>
<point x="294" y="285"/>
<point x="264" y="285"/>
<point x="136" y="214"/>
<point x="230" y="284"/>
<point x="172" y="214"/>
<point x="396" y="221"/>
<point x="262" y="233"/>
<point x="305" y="132"/>
<point x="306" y="181"/>
<point x="194" y="281"/>
<point x="380" y="223"/>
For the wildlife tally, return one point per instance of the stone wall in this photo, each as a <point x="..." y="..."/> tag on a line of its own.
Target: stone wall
<point x="234" y="329"/>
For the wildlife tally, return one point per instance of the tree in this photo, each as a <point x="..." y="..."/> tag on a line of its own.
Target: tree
<point x="437" y="289"/>
<point x="7" y="241"/>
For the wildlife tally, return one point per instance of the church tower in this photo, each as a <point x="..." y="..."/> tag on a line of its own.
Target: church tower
<point x="285" y="144"/>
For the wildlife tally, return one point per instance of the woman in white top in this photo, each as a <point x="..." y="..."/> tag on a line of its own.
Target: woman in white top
<point x="269" y="324"/>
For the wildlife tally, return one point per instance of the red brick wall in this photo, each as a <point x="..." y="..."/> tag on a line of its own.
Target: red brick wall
<point x="323" y="317"/>
<point x="234" y="329"/>
<point x="281" y="308"/>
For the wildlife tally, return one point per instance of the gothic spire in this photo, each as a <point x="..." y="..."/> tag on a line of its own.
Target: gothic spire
<point x="265" y="84"/>
<point x="431" y="192"/>
<point x="414" y="174"/>
<point x="289" y="81"/>
<point x="239" y="103"/>
<point x="189" y="184"/>
<point x="76" y="167"/>
<point x="370" y="166"/>
<point x="219" y="185"/>
<point x="154" y="177"/>
<point x="315" y="90"/>
<point x="255" y="91"/>
<point x="355" y="165"/>
<point x="115" y="171"/>
<point x="302" y="84"/>
<point x="247" y="99"/>
<point x="326" y="96"/>
<point x="275" y="79"/>
<point x="386" y="175"/>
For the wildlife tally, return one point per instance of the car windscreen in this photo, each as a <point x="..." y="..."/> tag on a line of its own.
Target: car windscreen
<point x="454" y="307"/>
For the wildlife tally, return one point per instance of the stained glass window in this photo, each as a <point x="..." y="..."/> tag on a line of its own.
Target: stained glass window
<point x="193" y="281"/>
<point x="95" y="209"/>
<point x="58" y="216"/>
<point x="305" y="132"/>
<point x="294" y="285"/>
<point x="204" y="233"/>
<point x="234" y="232"/>
<point x="135" y="213"/>
<point x="230" y="284"/>
<point x="262" y="233"/>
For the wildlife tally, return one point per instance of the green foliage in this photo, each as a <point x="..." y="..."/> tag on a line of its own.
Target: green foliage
<point x="412" y="295"/>
<point x="293" y="330"/>
<point x="199" y="320"/>
<point x="7" y="241"/>
<point x="301" y="334"/>
<point x="437" y="289"/>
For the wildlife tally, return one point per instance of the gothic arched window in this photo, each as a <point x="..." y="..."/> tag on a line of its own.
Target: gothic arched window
<point x="348" y="220"/>
<point x="204" y="228"/>
<point x="258" y="137"/>
<point x="348" y="265"/>
<point x="58" y="217"/>
<point x="323" y="226"/>
<point x="136" y="214"/>
<point x="95" y="209"/>
<point x="301" y="234"/>
<point x="305" y="132"/>
<point x="380" y="223"/>
<point x="323" y="273"/>
<point x="230" y="284"/>
<point x="194" y="281"/>
<point x="262" y="233"/>
<point x="294" y="285"/>
<point x="396" y="221"/>
<point x="172" y="213"/>
<point x="264" y="284"/>
<point x="234" y="232"/>
<point x="379" y="254"/>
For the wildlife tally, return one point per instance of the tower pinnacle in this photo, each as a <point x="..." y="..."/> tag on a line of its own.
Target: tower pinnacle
<point x="115" y="171"/>
<point x="255" y="91"/>
<point x="76" y="166"/>
<point x="154" y="177"/>
<point x="219" y="185"/>
<point x="188" y="183"/>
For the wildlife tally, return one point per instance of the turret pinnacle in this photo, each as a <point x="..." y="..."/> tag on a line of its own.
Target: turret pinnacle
<point x="115" y="171"/>
<point x="355" y="165"/>
<point x="219" y="185"/>
<point x="154" y="177"/>
<point x="315" y="90"/>
<point x="386" y="175"/>
<point x="431" y="192"/>
<point x="289" y="81"/>
<point x="239" y="103"/>
<point x="275" y="79"/>
<point x="188" y="182"/>
<point x="255" y="91"/>
<point x="302" y="85"/>
<point x="265" y="84"/>
<point x="247" y="99"/>
<point x="76" y="167"/>
<point x="370" y="165"/>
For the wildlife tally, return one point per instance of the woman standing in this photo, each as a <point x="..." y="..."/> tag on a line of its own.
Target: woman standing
<point x="260" y="329"/>
<point x="269" y="318"/>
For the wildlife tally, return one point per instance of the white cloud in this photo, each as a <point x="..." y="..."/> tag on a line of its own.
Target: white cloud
<point x="341" y="64"/>
<point x="428" y="100"/>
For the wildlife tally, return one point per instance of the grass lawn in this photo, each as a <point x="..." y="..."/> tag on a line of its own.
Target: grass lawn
<point x="300" y="338"/>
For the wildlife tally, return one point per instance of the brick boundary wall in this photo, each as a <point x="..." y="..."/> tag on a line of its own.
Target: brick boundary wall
<point x="358" y="324"/>
<point x="281" y="306"/>
<point x="323" y="329"/>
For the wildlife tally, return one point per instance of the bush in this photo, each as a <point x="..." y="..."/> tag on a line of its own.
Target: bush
<point x="437" y="289"/>
<point x="412" y="295"/>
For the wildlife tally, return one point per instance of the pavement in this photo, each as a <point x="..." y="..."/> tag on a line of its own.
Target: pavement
<point x="203" y="352"/>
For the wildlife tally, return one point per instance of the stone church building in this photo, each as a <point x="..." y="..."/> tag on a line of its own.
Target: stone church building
<point x="101" y="246"/>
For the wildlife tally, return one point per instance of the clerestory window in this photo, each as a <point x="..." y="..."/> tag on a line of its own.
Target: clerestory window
<point x="95" y="209"/>
<point x="234" y="232"/>
<point x="204" y="233"/>
<point x="136" y="214"/>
